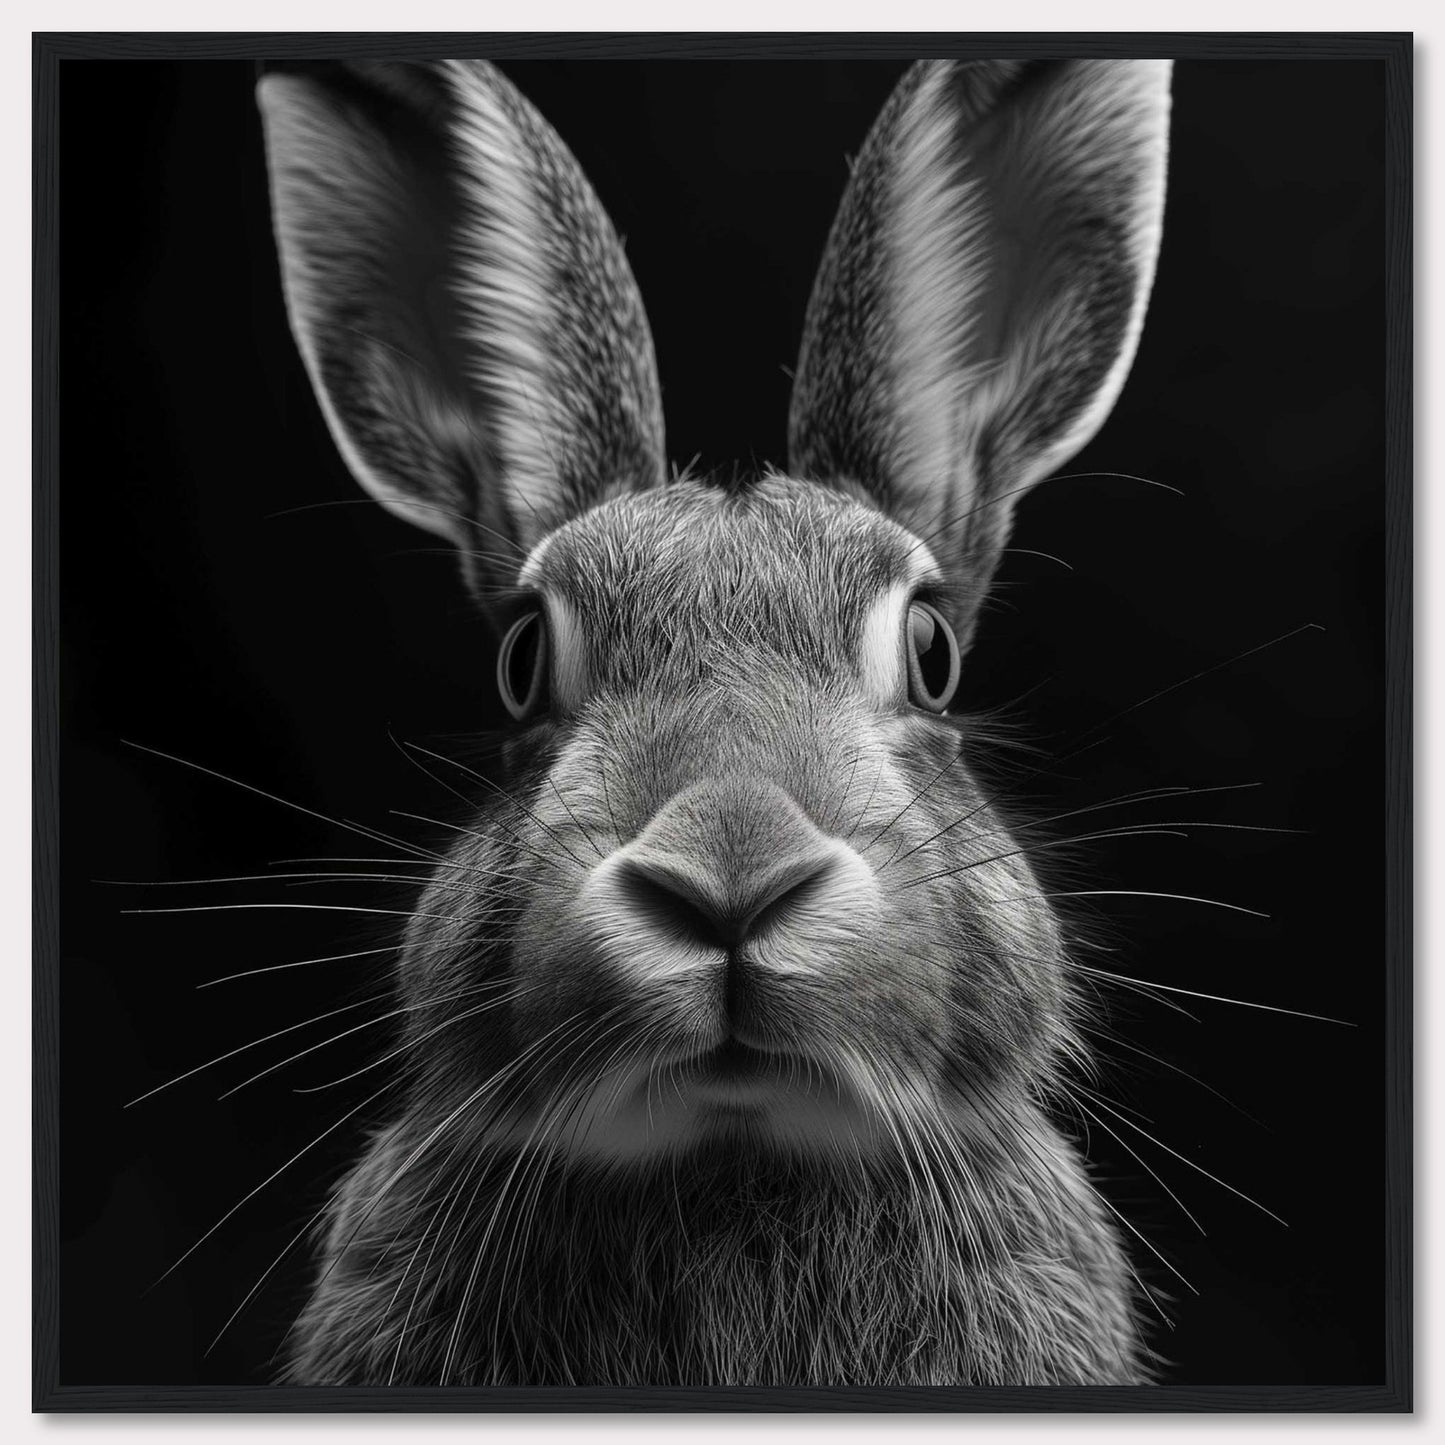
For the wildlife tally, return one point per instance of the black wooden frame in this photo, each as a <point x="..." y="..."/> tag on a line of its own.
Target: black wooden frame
<point x="1394" y="50"/>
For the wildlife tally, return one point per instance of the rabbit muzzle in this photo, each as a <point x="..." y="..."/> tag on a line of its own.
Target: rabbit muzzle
<point x="718" y="949"/>
<point x="730" y="909"/>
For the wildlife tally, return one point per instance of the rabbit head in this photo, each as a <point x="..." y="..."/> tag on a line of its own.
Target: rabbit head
<point x="743" y="888"/>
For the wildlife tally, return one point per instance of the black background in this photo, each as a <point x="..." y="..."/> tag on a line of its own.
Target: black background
<point x="206" y="617"/>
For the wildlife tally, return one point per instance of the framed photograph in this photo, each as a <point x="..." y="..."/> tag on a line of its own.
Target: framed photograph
<point x="722" y="722"/>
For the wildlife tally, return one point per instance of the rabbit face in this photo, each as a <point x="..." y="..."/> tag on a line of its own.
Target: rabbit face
<point x="747" y="889"/>
<point x="742" y="886"/>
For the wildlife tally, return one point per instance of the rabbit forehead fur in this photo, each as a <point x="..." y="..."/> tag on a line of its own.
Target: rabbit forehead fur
<point x="695" y="583"/>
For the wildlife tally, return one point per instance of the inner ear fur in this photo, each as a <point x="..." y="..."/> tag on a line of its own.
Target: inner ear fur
<point x="461" y="301"/>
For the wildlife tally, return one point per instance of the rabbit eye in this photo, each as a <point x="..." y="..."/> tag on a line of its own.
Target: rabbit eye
<point x="522" y="666"/>
<point x="933" y="662"/>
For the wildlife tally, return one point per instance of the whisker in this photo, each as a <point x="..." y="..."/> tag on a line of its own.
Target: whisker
<point x="256" y="1043"/>
<point x="1147" y="795"/>
<point x="310" y="907"/>
<point x="1029" y="1142"/>
<point x="1032" y="848"/>
<point x="1122" y="476"/>
<point x="1135" y="893"/>
<point x="371" y="833"/>
<point x="503" y="793"/>
<point x="301" y="1234"/>
<point x="1183" y="1158"/>
<point x="1047" y="556"/>
<point x="1144" y="795"/>
<point x="1115" y="1042"/>
<point x="904" y="809"/>
<point x="1145" y="990"/>
<point x="410" y="755"/>
<point x="313" y="876"/>
<point x="1087" y="740"/>
<point x="372" y="1206"/>
<point x="355" y="1029"/>
<point x="230" y="1213"/>
<point x="580" y="826"/>
<point x="1196" y="677"/>
<point x="300" y="963"/>
<point x="411" y="1044"/>
<point x="1216" y="998"/>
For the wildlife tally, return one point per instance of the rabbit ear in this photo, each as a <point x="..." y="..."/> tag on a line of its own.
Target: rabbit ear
<point x="982" y="292"/>
<point x="462" y="303"/>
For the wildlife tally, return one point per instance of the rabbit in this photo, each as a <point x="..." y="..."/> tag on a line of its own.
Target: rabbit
<point x="734" y="1019"/>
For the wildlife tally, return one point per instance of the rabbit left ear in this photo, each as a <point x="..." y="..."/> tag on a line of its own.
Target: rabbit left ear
<point x="983" y="289"/>
<point x="461" y="301"/>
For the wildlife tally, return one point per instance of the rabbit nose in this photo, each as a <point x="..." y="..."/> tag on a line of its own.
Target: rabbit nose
<point x="731" y="869"/>
<point x="702" y="908"/>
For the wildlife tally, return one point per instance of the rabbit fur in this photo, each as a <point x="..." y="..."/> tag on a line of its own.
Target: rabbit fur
<point x="733" y="1025"/>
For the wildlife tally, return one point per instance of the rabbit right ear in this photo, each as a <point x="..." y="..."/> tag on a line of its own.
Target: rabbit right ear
<point x="983" y="289"/>
<point x="462" y="303"/>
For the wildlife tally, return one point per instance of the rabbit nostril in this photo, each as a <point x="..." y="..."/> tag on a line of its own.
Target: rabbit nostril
<point x="711" y="914"/>
<point x="676" y="905"/>
<point x="789" y="898"/>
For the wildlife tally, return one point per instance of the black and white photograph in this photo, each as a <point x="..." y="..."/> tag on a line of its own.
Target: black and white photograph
<point x="726" y="724"/>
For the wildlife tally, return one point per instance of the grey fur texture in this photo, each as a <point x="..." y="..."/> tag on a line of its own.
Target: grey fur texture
<point x="462" y="303"/>
<point x="733" y="1026"/>
<point x="983" y="289"/>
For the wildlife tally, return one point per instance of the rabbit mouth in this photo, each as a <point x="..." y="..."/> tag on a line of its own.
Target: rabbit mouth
<point x="736" y="1073"/>
<point x="733" y="1059"/>
<point x="727" y="1088"/>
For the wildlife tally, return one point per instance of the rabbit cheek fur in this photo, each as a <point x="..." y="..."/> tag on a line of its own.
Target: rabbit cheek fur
<point x="732" y="1025"/>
